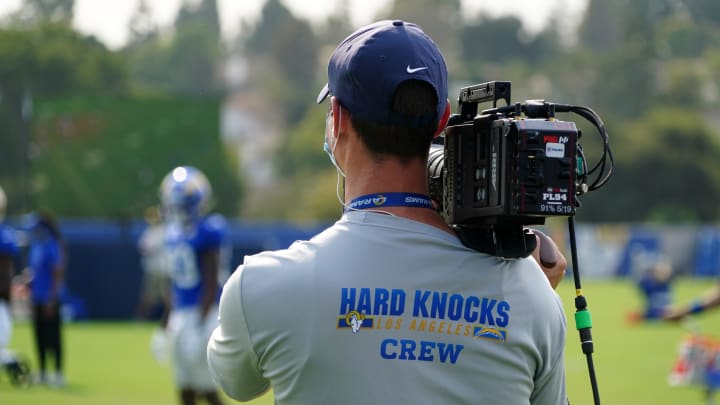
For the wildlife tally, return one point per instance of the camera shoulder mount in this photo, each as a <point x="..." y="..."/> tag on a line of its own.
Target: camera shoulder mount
<point x="503" y="240"/>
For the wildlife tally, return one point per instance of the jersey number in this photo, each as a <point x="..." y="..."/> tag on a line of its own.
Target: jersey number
<point x="183" y="266"/>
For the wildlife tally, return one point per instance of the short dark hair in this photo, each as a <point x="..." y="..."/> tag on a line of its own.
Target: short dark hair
<point x="413" y="99"/>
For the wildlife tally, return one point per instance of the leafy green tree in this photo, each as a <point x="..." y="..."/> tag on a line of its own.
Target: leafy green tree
<point x="259" y="37"/>
<point x="487" y="40"/>
<point x="302" y="153"/>
<point x="142" y="25"/>
<point x="493" y="40"/>
<point x="205" y="13"/>
<point x="441" y="20"/>
<point x="196" y="49"/>
<point x="53" y="59"/>
<point x="187" y="62"/>
<point x="43" y="11"/>
<point x="195" y="56"/>
<point x="601" y="29"/>
<point x="43" y="60"/>
<point x="336" y="27"/>
<point x="105" y="156"/>
<point x="666" y="170"/>
<point x="282" y="53"/>
<point x="703" y="11"/>
<point x="620" y="60"/>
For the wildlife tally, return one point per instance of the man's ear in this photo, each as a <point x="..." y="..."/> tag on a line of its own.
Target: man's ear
<point x="444" y="119"/>
<point x="338" y="118"/>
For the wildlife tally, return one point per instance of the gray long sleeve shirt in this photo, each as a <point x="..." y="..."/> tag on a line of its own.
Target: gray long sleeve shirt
<point x="384" y="310"/>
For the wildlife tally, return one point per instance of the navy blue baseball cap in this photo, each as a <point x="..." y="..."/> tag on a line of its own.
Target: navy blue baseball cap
<point x="367" y="67"/>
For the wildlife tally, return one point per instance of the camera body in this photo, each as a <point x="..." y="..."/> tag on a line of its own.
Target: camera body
<point x="503" y="168"/>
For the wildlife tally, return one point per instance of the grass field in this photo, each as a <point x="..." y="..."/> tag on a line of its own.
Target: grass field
<point x="110" y="363"/>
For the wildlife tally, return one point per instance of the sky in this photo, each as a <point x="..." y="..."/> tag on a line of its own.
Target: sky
<point x="108" y="19"/>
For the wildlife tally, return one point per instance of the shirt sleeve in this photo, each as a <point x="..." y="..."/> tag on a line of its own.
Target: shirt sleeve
<point x="550" y="390"/>
<point x="213" y="232"/>
<point x="231" y="357"/>
<point x="550" y="386"/>
<point x="8" y="241"/>
<point x="55" y="258"/>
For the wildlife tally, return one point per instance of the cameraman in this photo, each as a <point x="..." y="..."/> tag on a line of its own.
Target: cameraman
<point x="387" y="305"/>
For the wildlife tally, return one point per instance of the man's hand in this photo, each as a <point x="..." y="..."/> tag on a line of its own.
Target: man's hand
<point x="548" y="256"/>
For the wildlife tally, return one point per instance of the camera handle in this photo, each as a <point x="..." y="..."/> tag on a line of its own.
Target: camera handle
<point x="583" y="321"/>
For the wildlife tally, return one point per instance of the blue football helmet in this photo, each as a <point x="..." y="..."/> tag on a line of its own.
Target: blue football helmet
<point x="185" y="194"/>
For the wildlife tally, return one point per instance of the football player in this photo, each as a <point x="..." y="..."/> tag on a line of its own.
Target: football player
<point x="151" y="246"/>
<point x="8" y="251"/>
<point x="18" y="369"/>
<point x="46" y="275"/>
<point x="196" y="246"/>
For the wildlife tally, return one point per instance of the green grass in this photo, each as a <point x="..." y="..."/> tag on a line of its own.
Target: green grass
<point x="632" y="362"/>
<point x="110" y="363"/>
<point x="106" y="364"/>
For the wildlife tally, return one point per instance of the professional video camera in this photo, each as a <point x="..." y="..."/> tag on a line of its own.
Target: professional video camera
<point x="495" y="172"/>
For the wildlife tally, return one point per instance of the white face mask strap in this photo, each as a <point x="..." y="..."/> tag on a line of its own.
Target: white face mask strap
<point x="346" y="207"/>
<point x="340" y="173"/>
<point x="338" y="132"/>
<point x="331" y="153"/>
<point x="337" y="188"/>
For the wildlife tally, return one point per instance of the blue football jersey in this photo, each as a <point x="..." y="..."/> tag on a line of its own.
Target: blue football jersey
<point x="658" y="296"/>
<point x="8" y="241"/>
<point x="44" y="257"/>
<point x="185" y="248"/>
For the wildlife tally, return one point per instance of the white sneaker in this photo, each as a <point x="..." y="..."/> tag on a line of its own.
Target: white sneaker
<point x="40" y="378"/>
<point x="58" y="381"/>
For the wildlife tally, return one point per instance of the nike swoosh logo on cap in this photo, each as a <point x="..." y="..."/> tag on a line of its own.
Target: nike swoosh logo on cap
<point x="413" y="70"/>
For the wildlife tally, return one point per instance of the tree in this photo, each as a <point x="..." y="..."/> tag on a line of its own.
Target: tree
<point x="493" y="40"/>
<point x="442" y="24"/>
<point x="302" y="154"/>
<point x="703" y="11"/>
<point x="52" y="59"/>
<point x="283" y="56"/>
<point x="336" y="27"/>
<point x="601" y="30"/>
<point x="196" y="50"/>
<point x="194" y="56"/>
<point x="42" y="11"/>
<point x="619" y="42"/>
<point x="668" y="158"/>
<point x="187" y="61"/>
<point x="45" y="60"/>
<point x="142" y="25"/>
<point x="273" y="15"/>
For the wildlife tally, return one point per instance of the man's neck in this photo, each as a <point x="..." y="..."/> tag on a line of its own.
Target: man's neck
<point x="391" y="175"/>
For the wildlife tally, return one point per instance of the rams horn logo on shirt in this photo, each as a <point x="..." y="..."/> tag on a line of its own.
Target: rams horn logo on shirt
<point x="355" y="320"/>
<point x="379" y="200"/>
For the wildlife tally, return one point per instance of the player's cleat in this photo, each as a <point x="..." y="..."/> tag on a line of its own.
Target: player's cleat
<point x="16" y="367"/>
<point x="18" y="372"/>
<point x="40" y="379"/>
<point x="57" y="381"/>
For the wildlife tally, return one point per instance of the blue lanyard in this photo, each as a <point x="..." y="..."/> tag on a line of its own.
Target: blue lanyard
<point x="390" y="200"/>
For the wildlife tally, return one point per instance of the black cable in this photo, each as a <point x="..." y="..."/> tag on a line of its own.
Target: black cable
<point x="583" y="321"/>
<point x="606" y="162"/>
